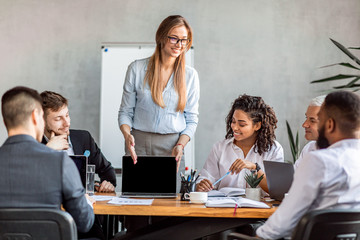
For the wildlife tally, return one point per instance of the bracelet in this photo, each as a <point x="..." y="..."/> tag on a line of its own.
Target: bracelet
<point x="180" y="145"/>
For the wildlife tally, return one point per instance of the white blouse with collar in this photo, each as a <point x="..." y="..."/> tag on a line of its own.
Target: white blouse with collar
<point x="225" y="152"/>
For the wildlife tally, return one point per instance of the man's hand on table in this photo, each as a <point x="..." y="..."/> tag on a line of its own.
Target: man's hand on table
<point x="105" y="186"/>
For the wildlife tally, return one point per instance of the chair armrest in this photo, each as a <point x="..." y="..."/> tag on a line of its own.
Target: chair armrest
<point x="234" y="235"/>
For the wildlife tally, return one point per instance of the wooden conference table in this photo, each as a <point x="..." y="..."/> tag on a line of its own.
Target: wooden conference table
<point x="195" y="219"/>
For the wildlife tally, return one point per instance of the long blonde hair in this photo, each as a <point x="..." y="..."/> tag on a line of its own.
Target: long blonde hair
<point x="152" y="76"/>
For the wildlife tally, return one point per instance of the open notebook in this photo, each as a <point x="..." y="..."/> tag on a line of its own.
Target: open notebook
<point x="231" y="202"/>
<point x="227" y="192"/>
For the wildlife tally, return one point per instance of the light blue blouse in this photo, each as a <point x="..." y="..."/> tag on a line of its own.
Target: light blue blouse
<point x="139" y="111"/>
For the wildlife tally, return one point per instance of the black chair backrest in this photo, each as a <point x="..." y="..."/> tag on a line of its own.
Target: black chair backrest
<point x="36" y="223"/>
<point x="335" y="224"/>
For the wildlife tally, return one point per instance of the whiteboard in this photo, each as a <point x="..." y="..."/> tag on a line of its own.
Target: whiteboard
<point x="116" y="58"/>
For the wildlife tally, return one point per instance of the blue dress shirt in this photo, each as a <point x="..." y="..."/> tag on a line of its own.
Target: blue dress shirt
<point x="139" y="111"/>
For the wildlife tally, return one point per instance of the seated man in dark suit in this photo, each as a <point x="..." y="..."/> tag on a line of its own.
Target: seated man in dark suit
<point x="31" y="174"/>
<point x="59" y="136"/>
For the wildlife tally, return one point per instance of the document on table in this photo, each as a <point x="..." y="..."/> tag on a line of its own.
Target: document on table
<point x="130" y="201"/>
<point x="102" y="197"/>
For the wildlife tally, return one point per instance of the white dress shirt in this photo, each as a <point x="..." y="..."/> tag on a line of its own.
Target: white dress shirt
<point x="225" y="152"/>
<point x="326" y="178"/>
<point x="311" y="146"/>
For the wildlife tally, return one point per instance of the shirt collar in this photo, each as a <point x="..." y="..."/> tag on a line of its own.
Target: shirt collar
<point x="230" y="142"/>
<point x="20" y="138"/>
<point x="351" y="142"/>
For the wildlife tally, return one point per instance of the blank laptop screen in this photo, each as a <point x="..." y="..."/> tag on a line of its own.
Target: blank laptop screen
<point x="80" y="162"/>
<point x="151" y="174"/>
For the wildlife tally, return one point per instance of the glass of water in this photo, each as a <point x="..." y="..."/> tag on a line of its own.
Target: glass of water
<point x="90" y="179"/>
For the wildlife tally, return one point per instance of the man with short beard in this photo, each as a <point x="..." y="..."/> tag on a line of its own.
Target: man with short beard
<point x="59" y="136"/>
<point x="328" y="177"/>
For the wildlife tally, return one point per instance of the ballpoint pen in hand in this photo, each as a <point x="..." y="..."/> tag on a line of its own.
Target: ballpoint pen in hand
<point x="221" y="178"/>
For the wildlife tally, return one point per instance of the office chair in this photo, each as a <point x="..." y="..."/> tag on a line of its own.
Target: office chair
<point x="36" y="223"/>
<point x="333" y="224"/>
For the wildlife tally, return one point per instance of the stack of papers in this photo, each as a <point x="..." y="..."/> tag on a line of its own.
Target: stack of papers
<point x="130" y="201"/>
<point x="231" y="202"/>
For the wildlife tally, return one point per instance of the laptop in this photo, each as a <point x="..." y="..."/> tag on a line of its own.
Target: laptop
<point x="279" y="176"/>
<point x="151" y="176"/>
<point x="81" y="162"/>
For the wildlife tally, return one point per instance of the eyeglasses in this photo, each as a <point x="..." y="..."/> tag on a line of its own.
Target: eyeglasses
<point x="175" y="40"/>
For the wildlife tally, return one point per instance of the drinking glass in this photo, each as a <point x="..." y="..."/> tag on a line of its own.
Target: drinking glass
<point x="90" y="179"/>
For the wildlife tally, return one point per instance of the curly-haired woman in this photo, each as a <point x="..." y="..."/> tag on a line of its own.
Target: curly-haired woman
<point x="249" y="140"/>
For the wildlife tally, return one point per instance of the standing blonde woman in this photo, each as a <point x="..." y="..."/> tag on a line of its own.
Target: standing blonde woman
<point x="159" y="108"/>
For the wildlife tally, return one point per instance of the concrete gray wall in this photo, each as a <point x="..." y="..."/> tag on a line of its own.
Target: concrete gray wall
<point x="271" y="48"/>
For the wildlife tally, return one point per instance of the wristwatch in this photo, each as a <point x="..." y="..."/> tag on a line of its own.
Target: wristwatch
<point x="257" y="168"/>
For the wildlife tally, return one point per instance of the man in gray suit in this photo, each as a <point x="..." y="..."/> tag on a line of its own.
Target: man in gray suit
<point x="31" y="174"/>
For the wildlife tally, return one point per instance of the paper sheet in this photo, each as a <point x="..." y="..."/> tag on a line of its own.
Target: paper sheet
<point x="102" y="197"/>
<point x="130" y="201"/>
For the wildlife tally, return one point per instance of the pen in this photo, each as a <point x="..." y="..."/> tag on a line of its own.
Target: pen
<point x="189" y="177"/>
<point x="221" y="178"/>
<point x="194" y="173"/>
<point x="197" y="177"/>
<point x="182" y="176"/>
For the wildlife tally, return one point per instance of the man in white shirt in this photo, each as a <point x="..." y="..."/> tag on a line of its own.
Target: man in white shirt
<point x="326" y="178"/>
<point x="311" y="127"/>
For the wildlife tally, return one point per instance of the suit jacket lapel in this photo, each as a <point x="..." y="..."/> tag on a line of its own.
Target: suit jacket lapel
<point x="76" y="143"/>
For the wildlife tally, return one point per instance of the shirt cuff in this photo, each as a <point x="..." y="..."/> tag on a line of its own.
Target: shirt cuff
<point x="188" y="132"/>
<point x="125" y="120"/>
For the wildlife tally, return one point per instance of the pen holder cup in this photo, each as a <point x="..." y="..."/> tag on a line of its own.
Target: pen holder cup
<point x="186" y="187"/>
